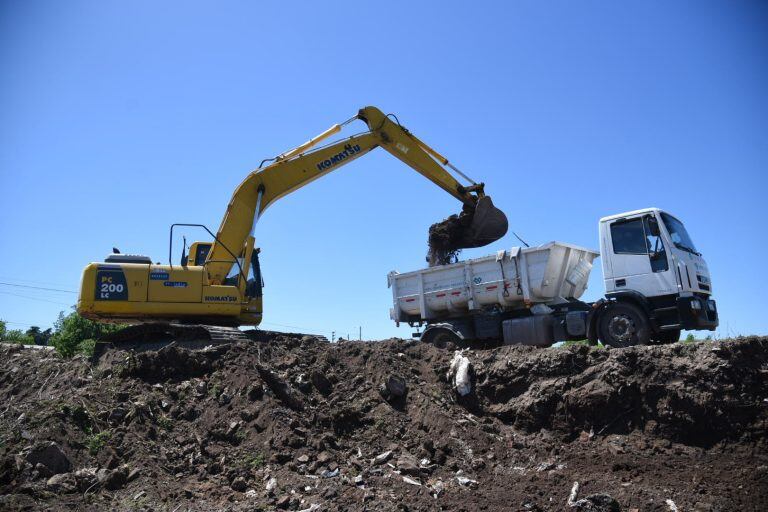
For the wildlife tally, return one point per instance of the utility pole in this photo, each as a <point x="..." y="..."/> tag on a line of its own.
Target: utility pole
<point x="333" y="336"/>
<point x="360" y="334"/>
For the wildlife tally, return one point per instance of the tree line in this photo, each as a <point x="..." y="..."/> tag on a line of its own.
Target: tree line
<point x="71" y="334"/>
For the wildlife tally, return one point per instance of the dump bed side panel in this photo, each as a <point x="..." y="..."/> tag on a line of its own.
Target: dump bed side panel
<point x="510" y="279"/>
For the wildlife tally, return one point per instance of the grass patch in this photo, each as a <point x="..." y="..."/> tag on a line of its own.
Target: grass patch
<point x="96" y="442"/>
<point x="165" y="422"/>
<point x="693" y="339"/>
<point x="254" y="460"/>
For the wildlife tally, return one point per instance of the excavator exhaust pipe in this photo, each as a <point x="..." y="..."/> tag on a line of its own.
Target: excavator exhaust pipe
<point x="474" y="227"/>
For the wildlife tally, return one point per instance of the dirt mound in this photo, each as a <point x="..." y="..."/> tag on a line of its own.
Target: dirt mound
<point x="302" y="424"/>
<point x="692" y="394"/>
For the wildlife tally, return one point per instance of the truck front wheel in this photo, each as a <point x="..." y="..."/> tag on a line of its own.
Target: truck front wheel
<point x="623" y="325"/>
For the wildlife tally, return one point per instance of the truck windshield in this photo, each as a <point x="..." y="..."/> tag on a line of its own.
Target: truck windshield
<point x="677" y="232"/>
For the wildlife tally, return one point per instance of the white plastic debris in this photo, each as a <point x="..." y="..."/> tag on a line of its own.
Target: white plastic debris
<point x="382" y="457"/>
<point x="671" y="505"/>
<point x="466" y="481"/>
<point x="312" y="508"/>
<point x="437" y="488"/>
<point x="459" y="370"/>
<point x="411" y="481"/>
<point x="271" y="484"/>
<point x="573" y="495"/>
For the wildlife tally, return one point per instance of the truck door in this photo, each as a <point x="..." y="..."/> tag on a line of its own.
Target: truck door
<point x="639" y="257"/>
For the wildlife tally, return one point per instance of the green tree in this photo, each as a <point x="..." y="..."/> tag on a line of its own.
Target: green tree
<point x="14" y="335"/>
<point x="74" y="334"/>
<point x="39" y="336"/>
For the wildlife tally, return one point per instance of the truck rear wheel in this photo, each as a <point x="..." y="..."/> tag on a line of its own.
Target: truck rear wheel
<point x="623" y="325"/>
<point x="442" y="337"/>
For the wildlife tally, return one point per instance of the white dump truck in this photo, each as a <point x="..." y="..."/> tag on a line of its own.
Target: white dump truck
<point x="656" y="284"/>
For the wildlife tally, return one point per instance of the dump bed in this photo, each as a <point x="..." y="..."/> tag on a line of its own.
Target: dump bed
<point x="517" y="278"/>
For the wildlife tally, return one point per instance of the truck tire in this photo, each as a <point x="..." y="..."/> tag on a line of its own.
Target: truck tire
<point x="442" y="337"/>
<point x="667" y="337"/>
<point x="623" y="325"/>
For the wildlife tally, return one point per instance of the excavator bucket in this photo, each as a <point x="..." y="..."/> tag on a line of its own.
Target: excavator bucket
<point x="474" y="227"/>
<point x="488" y="224"/>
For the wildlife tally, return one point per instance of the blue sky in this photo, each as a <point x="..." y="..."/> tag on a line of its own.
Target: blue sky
<point x="118" y="119"/>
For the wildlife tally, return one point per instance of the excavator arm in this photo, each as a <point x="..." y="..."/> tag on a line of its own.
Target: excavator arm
<point x="299" y="166"/>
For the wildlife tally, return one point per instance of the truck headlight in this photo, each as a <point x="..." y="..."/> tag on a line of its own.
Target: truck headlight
<point x="695" y="304"/>
<point x="711" y="305"/>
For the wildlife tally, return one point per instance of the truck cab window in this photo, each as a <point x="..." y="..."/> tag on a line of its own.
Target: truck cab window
<point x="628" y="237"/>
<point x="678" y="233"/>
<point x="656" y="251"/>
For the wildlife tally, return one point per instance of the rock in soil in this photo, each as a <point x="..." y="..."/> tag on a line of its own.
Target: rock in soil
<point x="292" y="422"/>
<point x="49" y="455"/>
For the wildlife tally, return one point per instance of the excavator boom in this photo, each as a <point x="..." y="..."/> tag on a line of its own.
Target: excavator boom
<point x="300" y="166"/>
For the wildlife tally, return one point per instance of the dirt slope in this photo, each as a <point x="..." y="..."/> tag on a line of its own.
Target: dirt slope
<point x="301" y="424"/>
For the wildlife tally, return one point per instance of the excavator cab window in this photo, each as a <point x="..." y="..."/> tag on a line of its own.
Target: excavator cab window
<point x="234" y="273"/>
<point x="201" y="253"/>
<point x="256" y="282"/>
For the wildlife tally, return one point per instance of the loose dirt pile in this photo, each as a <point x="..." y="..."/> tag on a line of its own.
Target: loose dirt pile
<point x="301" y="424"/>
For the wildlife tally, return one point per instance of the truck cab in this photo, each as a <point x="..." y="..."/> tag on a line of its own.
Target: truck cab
<point x="651" y="264"/>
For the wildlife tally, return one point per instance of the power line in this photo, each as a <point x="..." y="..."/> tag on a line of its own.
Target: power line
<point x="35" y="298"/>
<point x="16" y="323"/>
<point x="30" y="281"/>
<point x="37" y="287"/>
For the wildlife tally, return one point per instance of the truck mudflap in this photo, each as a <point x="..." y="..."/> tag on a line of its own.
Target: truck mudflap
<point x="697" y="313"/>
<point x="592" y="324"/>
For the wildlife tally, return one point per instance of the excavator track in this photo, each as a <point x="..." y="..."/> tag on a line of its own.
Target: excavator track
<point x="156" y="335"/>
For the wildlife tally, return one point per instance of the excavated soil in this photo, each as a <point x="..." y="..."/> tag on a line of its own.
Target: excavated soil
<point x="445" y="240"/>
<point x="302" y="424"/>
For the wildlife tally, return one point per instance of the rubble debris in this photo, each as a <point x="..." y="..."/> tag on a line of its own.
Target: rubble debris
<point x="393" y="387"/>
<point x="534" y="419"/>
<point x="467" y="482"/>
<point x="382" y="457"/>
<point x="411" y="481"/>
<point x="49" y="455"/>
<point x="593" y="502"/>
<point x="460" y="373"/>
<point x="62" y="482"/>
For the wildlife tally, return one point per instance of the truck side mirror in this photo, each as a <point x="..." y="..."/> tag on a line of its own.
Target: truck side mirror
<point x="653" y="226"/>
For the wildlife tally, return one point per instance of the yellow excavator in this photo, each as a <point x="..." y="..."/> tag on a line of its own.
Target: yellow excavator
<point x="217" y="286"/>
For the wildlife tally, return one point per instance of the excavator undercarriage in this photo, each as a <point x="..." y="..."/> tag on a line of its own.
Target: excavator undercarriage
<point x="156" y="335"/>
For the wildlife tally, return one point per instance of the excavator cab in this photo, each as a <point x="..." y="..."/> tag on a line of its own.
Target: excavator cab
<point x="198" y="252"/>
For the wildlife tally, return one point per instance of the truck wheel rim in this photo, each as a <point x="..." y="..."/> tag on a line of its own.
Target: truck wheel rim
<point x="621" y="328"/>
